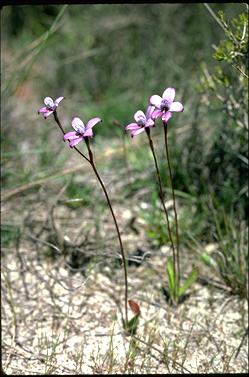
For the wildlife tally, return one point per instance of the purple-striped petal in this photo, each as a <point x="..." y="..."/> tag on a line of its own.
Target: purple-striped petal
<point x="70" y="135"/>
<point x="88" y="133"/>
<point x="58" y="100"/>
<point x="92" y="122"/>
<point x="46" y="114"/>
<point x="75" y="141"/>
<point x="134" y="133"/>
<point x="149" y="111"/>
<point x="169" y="94"/>
<point x="166" y="116"/>
<point x="156" y="101"/>
<point x="176" y="106"/>
<point x="49" y="102"/>
<point x="78" y="125"/>
<point x="156" y="114"/>
<point x="132" y="126"/>
<point x="43" y="110"/>
<point x="140" y="116"/>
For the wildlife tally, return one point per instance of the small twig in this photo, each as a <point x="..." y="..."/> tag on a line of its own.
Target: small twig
<point x="13" y="310"/>
<point x="215" y="17"/>
<point x="240" y="70"/>
<point x="161" y="353"/>
<point x="46" y="243"/>
<point x="19" y="257"/>
<point x="241" y="343"/>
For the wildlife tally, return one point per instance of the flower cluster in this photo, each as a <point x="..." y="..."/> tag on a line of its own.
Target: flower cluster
<point x="159" y="107"/>
<point x="81" y="131"/>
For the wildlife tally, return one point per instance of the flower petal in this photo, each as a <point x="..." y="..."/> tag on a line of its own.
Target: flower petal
<point x="150" y="123"/>
<point x="169" y="94"/>
<point x="43" y="110"/>
<point x="49" y="112"/>
<point x="58" y="100"/>
<point x="49" y="102"/>
<point x="149" y="111"/>
<point x="132" y="126"/>
<point x="134" y="133"/>
<point x="70" y="135"/>
<point x="139" y="115"/>
<point x="156" y="114"/>
<point x="92" y="122"/>
<point x="75" y="141"/>
<point x="88" y="133"/>
<point x="156" y="101"/>
<point x="78" y="125"/>
<point x="166" y="116"/>
<point x="176" y="106"/>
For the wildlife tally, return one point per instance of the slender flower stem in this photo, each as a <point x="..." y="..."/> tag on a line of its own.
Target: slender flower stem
<point x="91" y="162"/>
<point x="58" y="122"/>
<point x="174" y="204"/>
<point x="162" y="196"/>
<point x="115" y="222"/>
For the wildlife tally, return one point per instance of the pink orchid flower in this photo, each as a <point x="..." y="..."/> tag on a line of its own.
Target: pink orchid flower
<point x="142" y="121"/>
<point x="50" y="106"/>
<point x="81" y="130"/>
<point x="165" y="105"/>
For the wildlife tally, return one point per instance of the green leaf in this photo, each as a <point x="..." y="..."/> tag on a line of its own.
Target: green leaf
<point x="208" y="260"/>
<point x="190" y="279"/>
<point x="171" y="278"/>
<point x="131" y="326"/>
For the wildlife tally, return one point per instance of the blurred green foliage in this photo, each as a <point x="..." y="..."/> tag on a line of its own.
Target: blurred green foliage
<point x="79" y="195"/>
<point x="155" y="220"/>
<point x="9" y="234"/>
<point x="234" y="49"/>
<point x="111" y="58"/>
<point x="230" y="260"/>
<point x="227" y="90"/>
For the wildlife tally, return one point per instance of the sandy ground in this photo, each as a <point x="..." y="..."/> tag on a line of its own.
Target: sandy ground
<point x="58" y="322"/>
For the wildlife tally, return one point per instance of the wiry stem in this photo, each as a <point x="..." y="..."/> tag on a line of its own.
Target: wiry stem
<point x="116" y="225"/>
<point x="162" y="197"/>
<point x="58" y="122"/>
<point x="91" y="161"/>
<point x="174" y="204"/>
